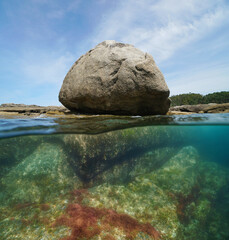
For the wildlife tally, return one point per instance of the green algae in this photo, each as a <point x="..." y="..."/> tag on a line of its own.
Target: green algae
<point x="39" y="178"/>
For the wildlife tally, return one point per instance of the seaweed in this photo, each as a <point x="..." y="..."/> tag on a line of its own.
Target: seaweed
<point x="87" y="222"/>
<point x="42" y="206"/>
<point x="184" y="201"/>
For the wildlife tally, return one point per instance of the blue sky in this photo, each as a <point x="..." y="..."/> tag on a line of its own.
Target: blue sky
<point x="41" y="39"/>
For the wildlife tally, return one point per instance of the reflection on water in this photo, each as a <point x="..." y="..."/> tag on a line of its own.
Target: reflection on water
<point x="150" y="181"/>
<point x="99" y="124"/>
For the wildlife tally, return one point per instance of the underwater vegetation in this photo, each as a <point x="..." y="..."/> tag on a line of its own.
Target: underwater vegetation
<point x="91" y="156"/>
<point x="139" y="183"/>
<point x="185" y="201"/>
<point x="87" y="222"/>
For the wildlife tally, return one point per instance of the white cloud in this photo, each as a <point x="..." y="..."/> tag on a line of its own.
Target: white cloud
<point x="162" y="27"/>
<point x="202" y="80"/>
<point x="40" y="68"/>
<point x="171" y="28"/>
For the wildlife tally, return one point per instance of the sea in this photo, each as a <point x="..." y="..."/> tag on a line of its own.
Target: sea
<point x="107" y="177"/>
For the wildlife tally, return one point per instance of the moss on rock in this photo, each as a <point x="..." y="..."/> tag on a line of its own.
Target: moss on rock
<point x="41" y="176"/>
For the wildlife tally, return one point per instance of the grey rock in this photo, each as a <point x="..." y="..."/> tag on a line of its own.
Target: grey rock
<point x="115" y="78"/>
<point x="12" y="105"/>
<point x="8" y="110"/>
<point x="203" y="108"/>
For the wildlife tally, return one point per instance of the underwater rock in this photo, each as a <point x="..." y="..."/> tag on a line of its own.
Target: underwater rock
<point x="126" y="171"/>
<point x="195" y="187"/>
<point x="11" y="151"/>
<point x="140" y="199"/>
<point x="90" y="222"/>
<point x="184" y="198"/>
<point x="92" y="155"/>
<point x="211" y="210"/>
<point x="178" y="199"/>
<point x="41" y="176"/>
<point x="115" y="78"/>
<point x="94" y="159"/>
<point x="179" y="174"/>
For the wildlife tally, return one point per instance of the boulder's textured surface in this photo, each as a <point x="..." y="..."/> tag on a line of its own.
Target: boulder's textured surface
<point x="115" y="78"/>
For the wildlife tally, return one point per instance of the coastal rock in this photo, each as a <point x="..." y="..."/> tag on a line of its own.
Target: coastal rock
<point x="11" y="110"/>
<point x="203" y="108"/>
<point x="115" y="78"/>
<point x="21" y="110"/>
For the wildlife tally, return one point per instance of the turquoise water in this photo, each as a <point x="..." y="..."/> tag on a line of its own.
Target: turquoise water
<point x="106" y="177"/>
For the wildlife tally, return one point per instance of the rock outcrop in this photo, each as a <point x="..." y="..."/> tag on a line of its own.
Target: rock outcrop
<point x="202" y="108"/>
<point x="115" y="78"/>
<point x="8" y="110"/>
<point x="12" y="110"/>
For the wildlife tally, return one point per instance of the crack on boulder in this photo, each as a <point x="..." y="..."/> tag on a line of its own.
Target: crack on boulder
<point x="114" y="80"/>
<point x="115" y="72"/>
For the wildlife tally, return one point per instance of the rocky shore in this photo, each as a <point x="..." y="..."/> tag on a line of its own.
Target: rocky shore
<point x="11" y="110"/>
<point x="201" y="108"/>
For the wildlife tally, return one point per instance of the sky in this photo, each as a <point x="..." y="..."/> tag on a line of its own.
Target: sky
<point x="41" y="39"/>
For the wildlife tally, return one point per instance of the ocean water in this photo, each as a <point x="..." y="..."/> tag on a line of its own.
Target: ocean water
<point x="107" y="177"/>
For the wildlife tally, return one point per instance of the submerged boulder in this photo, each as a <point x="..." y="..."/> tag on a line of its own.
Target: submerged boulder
<point x="39" y="177"/>
<point x="120" y="155"/>
<point x="115" y="78"/>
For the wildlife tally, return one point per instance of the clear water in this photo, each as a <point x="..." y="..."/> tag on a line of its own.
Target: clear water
<point x="103" y="177"/>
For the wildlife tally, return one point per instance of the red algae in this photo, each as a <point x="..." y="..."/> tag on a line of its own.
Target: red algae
<point x="87" y="222"/>
<point x="25" y="222"/>
<point x="108" y="237"/>
<point x="184" y="201"/>
<point x="32" y="218"/>
<point x="44" y="207"/>
<point x="79" y="194"/>
<point x="20" y="206"/>
<point x="44" y="220"/>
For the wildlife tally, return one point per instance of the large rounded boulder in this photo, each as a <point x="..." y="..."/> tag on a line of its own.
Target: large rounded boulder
<point x="115" y="78"/>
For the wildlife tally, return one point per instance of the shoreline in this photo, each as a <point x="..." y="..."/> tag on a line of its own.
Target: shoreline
<point x="11" y="110"/>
